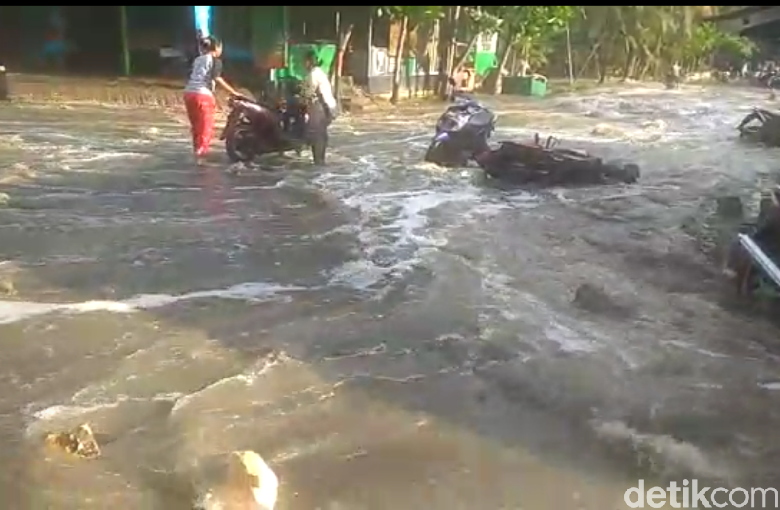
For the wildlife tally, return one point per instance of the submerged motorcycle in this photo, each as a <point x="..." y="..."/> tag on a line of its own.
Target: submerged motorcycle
<point x="462" y="132"/>
<point x="755" y="255"/>
<point x="761" y="126"/>
<point x="254" y="128"/>
<point x="544" y="164"/>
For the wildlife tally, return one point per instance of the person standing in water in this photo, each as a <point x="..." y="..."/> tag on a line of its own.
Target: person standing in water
<point x="199" y="96"/>
<point x="322" y="107"/>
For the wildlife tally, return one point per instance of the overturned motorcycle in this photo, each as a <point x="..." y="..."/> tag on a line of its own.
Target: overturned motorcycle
<point x="761" y="126"/>
<point x="540" y="164"/>
<point x="462" y="132"/>
<point x="754" y="257"/>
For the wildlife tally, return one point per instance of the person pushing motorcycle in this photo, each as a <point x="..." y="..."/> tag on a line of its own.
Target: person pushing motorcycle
<point x="322" y="106"/>
<point x="199" y="94"/>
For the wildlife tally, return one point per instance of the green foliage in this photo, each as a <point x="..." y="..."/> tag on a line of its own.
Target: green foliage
<point x="741" y="47"/>
<point x="532" y="21"/>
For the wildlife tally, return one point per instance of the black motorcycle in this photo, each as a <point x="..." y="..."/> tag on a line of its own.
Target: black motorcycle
<point x="540" y="164"/>
<point x="462" y="132"/>
<point x="254" y="128"/>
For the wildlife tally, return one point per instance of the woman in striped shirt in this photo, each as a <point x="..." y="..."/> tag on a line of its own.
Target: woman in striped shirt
<point x="199" y="94"/>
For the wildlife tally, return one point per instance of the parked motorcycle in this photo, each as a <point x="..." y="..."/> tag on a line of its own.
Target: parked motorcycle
<point x="544" y="164"/>
<point x="462" y="132"/>
<point x="254" y="128"/>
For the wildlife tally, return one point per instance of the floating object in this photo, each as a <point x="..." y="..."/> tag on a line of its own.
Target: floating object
<point x="80" y="442"/>
<point x="248" y="483"/>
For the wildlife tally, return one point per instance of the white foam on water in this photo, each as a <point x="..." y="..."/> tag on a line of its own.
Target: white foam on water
<point x="15" y="311"/>
<point x="86" y="157"/>
<point x="667" y="454"/>
<point x="39" y="421"/>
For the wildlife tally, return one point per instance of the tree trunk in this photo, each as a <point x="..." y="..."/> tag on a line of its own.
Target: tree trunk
<point x="593" y="53"/>
<point x="447" y="44"/>
<point x="399" y="60"/>
<point x="453" y="41"/>
<point x="422" y="51"/>
<point x="445" y="33"/>
<point x="495" y="85"/>
<point x="344" y="38"/>
<point x="628" y="65"/>
<point x="462" y="59"/>
<point x="126" y="66"/>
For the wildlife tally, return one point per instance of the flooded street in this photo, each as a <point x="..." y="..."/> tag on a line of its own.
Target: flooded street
<point x="387" y="334"/>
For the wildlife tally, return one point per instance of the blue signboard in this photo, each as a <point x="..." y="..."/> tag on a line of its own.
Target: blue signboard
<point x="203" y="19"/>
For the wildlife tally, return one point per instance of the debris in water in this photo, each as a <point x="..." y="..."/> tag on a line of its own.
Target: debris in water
<point x="7" y="288"/>
<point x="79" y="441"/>
<point x="247" y="483"/>
<point x="730" y="207"/>
<point x="596" y="300"/>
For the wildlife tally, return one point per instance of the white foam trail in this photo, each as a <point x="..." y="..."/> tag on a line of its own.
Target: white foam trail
<point x="15" y="311"/>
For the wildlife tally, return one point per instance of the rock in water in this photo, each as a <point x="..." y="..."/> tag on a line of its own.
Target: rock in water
<point x="79" y="441"/>
<point x="248" y="484"/>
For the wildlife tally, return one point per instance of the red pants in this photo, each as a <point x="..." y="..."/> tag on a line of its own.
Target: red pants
<point x="200" y="110"/>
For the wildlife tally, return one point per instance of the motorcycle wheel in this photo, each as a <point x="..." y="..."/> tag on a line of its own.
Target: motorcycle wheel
<point x="437" y="153"/>
<point x="630" y="173"/>
<point x="240" y="144"/>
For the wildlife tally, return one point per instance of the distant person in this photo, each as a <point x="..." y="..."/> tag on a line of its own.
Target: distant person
<point x="322" y="106"/>
<point x="199" y="97"/>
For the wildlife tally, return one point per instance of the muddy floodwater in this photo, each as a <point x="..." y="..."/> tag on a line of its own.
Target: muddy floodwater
<point x="387" y="334"/>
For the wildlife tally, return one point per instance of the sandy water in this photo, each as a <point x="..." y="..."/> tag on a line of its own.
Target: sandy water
<point x="385" y="333"/>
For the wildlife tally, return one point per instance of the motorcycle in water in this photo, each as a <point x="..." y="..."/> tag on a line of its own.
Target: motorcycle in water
<point x="462" y="132"/>
<point x="761" y="126"/>
<point x="769" y="79"/>
<point x="537" y="164"/>
<point x="254" y="128"/>
<point x="754" y="256"/>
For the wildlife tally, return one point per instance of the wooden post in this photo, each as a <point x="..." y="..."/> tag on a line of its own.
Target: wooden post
<point x="126" y="68"/>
